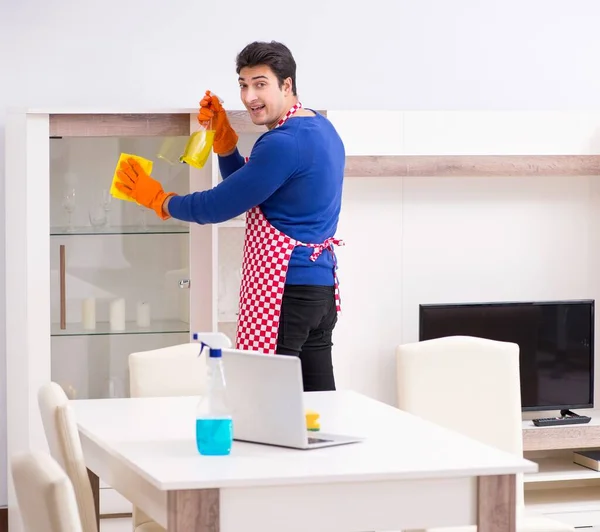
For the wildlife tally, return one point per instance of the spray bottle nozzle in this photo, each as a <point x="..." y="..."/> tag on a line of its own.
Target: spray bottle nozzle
<point x="213" y="352"/>
<point x="214" y="342"/>
<point x="217" y="97"/>
<point x="202" y="346"/>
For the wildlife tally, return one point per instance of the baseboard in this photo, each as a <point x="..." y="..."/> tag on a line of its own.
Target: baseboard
<point x="3" y="519"/>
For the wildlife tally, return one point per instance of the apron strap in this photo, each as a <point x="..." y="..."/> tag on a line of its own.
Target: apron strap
<point x="292" y="110"/>
<point x="319" y="248"/>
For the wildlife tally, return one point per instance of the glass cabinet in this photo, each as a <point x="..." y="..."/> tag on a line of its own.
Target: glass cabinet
<point x="90" y="278"/>
<point x="119" y="276"/>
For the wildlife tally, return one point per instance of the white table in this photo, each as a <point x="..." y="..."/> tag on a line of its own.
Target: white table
<point x="408" y="474"/>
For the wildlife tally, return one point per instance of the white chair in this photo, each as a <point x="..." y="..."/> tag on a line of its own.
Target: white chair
<point x="472" y="386"/>
<point x="172" y="371"/>
<point x="65" y="447"/>
<point x="44" y="493"/>
<point x="166" y="372"/>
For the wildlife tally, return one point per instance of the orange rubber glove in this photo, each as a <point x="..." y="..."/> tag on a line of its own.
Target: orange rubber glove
<point x="225" y="137"/>
<point x="137" y="184"/>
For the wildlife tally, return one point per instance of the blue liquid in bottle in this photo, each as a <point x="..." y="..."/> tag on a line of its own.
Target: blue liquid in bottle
<point x="214" y="436"/>
<point x="214" y="426"/>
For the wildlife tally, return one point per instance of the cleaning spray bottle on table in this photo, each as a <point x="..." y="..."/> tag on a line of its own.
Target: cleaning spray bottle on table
<point x="214" y="426"/>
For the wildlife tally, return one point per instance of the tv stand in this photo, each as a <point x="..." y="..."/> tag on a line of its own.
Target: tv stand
<point x="565" y="413"/>
<point x="561" y="489"/>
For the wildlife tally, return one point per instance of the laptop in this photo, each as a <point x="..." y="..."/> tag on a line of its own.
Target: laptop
<point x="265" y="393"/>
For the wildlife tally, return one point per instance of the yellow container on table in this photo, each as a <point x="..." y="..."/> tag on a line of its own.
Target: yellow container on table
<point x="312" y="421"/>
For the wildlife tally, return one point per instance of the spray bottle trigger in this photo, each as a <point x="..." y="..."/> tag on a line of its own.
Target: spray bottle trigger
<point x="202" y="346"/>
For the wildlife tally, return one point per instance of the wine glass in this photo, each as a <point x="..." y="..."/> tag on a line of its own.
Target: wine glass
<point x="142" y="212"/>
<point x="69" y="206"/>
<point x="107" y="204"/>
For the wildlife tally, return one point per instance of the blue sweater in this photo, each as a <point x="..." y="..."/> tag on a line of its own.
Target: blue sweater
<point x="295" y="174"/>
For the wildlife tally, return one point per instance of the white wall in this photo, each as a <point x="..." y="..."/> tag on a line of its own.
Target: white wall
<point x="441" y="240"/>
<point x="391" y="54"/>
<point x="461" y="239"/>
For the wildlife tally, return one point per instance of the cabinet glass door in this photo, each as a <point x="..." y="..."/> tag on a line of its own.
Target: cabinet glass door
<point x="120" y="279"/>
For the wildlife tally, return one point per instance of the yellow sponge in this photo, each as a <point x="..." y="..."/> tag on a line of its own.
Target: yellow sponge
<point x="144" y="163"/>
<point x="312" y="422"/>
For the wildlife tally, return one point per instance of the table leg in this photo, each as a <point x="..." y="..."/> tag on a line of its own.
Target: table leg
<point x="95" y="482"/>
<point x="496" y="506"/>
<point x="193" y="511"/>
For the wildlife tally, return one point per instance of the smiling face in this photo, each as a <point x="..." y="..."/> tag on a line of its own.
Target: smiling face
<point x="265" y="100"/>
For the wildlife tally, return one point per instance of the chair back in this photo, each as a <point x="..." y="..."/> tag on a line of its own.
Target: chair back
<point x="61" y="432"/>
<point x="171" y="371"/>
<point x="466" y="384"/>
<point x="44" y="494"/>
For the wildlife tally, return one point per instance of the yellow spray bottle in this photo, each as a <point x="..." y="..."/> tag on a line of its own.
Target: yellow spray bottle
<point x="199" y="144"/>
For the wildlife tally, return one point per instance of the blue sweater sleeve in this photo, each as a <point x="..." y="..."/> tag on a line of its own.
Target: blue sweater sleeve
<point x="231" y="163"/>
<point x="274" y="159"/>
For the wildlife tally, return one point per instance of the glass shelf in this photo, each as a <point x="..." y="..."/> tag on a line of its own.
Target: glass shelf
<point x="165" y="229"/>
<point x="131" y="327"/>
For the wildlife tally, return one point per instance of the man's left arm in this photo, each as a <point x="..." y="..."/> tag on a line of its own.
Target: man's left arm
<point x="274" y="159"/>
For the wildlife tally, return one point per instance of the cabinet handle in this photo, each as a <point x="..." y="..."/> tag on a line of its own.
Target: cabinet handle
<point x="63" y="299"/>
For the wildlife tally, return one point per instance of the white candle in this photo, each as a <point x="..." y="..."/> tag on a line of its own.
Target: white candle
<point x="143" y="314"/>
<point x="117" y="315"/>
<point x="88" y="313"/>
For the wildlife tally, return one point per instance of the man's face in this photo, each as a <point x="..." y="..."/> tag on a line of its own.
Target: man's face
<point x="260" y="93"/>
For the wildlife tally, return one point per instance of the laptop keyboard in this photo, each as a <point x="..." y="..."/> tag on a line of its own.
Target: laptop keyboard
<point x="317" y="440"/>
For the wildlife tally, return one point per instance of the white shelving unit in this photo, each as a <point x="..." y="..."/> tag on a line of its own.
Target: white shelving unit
<point x="187" y="272"/>
<point x="562" y="489"/>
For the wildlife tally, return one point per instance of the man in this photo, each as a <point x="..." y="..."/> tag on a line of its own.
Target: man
<point x="291" y="189"/>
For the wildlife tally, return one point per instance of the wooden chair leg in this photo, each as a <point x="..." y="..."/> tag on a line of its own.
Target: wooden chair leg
<point x="95" y="482"/>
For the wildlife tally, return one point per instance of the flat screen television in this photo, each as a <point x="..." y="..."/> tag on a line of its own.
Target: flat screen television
<point x="556" y="341"/>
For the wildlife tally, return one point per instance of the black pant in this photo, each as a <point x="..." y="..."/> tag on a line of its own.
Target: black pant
<point x="308" y="316"/>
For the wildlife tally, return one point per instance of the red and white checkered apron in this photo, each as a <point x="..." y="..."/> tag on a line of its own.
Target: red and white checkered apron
<point x="266" y="257"/>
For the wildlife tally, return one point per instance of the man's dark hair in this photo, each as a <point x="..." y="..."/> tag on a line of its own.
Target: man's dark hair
<point x="275" y="55"/>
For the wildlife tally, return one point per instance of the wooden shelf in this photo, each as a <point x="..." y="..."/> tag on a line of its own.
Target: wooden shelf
<point x="471" y="165"/>
<point x="140" y="125"/>
<point x="559" y="470"/>
<point x="563" y="500"/>
<point x="119" y="125"/>
<point x="562" y="436"/>
<point x="179" y="124"/>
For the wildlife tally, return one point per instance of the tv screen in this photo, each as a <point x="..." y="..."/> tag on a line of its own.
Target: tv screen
<point x="555" y="338"/>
